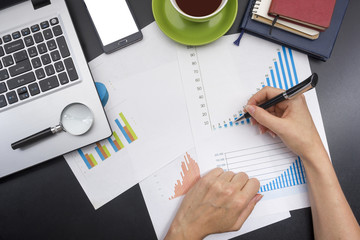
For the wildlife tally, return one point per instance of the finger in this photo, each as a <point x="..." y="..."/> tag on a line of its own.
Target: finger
<point x="264" y="117"/>
<point x="203" y="185"/>
<point x="247" y="211"/>
<point x="214" y="173"/>
<point x="226" y="176"/>
<point x="265" y="94"/>
<point x="240" y="179"/>
<point x="251" y="188"/>
<point x="271" y="133"/>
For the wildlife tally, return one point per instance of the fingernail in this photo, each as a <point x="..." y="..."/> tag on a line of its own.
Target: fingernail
<point x="250" y="109"/>
<point x="258" y="197"/>
<point x="272" y="134"/>
<point x="251" y="122"/>
<point x="261" y="130"/>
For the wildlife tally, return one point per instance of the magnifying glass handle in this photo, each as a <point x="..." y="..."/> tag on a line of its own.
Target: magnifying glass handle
<point x="33" y="138"/>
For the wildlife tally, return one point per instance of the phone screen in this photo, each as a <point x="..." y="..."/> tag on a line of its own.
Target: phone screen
<point x="112" y="19"/>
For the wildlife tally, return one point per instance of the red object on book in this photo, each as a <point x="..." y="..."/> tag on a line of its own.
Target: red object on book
<point x="312" y="13"/>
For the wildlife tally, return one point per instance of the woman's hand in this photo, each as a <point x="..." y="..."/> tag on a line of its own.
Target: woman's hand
<point x="219" y="202"/>
<point x="290" y="120"/>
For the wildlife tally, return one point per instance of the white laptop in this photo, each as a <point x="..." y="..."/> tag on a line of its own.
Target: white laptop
<point x="42" y="70"/>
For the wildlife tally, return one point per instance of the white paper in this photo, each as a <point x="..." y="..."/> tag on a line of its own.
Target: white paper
<point x="160" y="188"/>
<point x="144" y="84"/>
<point x="218" y="80"/>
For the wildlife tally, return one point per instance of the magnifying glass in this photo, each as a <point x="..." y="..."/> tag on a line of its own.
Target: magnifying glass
<point x="76" y="119"/>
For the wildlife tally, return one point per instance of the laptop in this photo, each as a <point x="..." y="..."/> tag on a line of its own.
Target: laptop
<point x="42" y="70"/>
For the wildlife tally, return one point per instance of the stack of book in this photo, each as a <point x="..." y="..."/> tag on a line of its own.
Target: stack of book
<point x="310" y="26"/>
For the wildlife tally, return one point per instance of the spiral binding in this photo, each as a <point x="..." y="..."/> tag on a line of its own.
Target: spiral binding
<point x="256" y="6"/>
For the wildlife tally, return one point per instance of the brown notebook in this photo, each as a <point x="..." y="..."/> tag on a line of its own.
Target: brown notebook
<point x="311" y="13"/>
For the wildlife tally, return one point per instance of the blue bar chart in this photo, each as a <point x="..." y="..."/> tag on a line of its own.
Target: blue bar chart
<point x="282" y="74"/>
<point x="292" y="176"/>
<point x="274" y="165"/>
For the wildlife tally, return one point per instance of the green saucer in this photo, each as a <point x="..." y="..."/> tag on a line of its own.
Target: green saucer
<point x="193" y="33"/>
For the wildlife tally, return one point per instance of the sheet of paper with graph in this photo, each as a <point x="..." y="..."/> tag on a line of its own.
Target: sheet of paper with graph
<point x="218" y="80"/>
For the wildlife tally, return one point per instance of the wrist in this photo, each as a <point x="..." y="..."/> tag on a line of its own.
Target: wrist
<point x="178" y="231"/>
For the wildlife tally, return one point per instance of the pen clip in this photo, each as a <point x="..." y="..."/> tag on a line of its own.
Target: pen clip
<point x="303" y="87"/>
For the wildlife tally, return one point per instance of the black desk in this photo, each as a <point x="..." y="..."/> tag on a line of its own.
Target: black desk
<point x="47" y="202"/>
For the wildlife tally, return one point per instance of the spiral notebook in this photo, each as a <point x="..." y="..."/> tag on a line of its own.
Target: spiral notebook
<point x="320" y="48"/>
<point x="260" y="14"/>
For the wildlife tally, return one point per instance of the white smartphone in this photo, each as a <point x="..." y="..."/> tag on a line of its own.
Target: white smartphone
<point x="114" y="23"/>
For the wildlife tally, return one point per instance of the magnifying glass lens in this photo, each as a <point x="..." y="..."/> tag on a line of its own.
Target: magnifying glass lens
<point x="76" y="119"/>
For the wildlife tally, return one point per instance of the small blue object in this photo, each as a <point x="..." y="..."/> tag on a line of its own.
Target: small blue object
<point x="103" y="93"/>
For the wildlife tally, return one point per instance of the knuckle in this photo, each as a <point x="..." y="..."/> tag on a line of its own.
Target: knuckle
<point x="243" y="175"/>
<point x="205" y="182"/>
<point x="216" y="186"/>
<point x="240" y="202"/>
<point x="255" y="182"/>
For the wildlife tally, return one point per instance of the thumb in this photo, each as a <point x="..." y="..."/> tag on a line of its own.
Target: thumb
<point x="263" y="117"/>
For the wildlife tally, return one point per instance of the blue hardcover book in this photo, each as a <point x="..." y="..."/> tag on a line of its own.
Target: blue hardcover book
<point x="320" y="48"/>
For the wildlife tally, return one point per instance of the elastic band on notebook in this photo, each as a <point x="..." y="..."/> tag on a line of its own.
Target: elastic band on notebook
<point x="273" y="24"/>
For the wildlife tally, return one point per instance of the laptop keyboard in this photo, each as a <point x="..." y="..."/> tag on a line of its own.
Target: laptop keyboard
<point x="34" y="60"/>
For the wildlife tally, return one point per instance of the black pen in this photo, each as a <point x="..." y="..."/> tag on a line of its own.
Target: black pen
<point x="300" y="88"/>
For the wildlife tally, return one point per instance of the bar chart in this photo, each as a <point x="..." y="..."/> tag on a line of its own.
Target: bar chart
<point x="189" y="173"/>
<point x="282" y="74"/>
<point x="274" y="165"/>
<point x="104" y="149"/>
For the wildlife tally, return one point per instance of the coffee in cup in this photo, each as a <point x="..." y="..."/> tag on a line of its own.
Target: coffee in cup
<point x="198" y="10"/>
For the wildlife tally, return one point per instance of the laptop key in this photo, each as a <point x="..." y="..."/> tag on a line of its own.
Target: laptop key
<point x="64" y="50"/>
<point x="70" y="68"/>
<point x="40" y="73"/>
<point x="29" y="41"/>
<point x="25" y="31"/>
<point x="42" y="48"/>
<point x="7" y="38"/>
<point x="57" y="30"/>
<point x="3" y="87"/>
<point x="49" y="83"/>
<point x="23" y="93"/>
<point x="11" y="97"/>
<point x="3" y="102"/>
<point x="1" y="51"/>
<point x="38" y="37"/>
<point x="4" y="75"/>
<point x="46" y="59"/>
<point x="55" y="55"/>
<point x="14" y="46"/>
<point x="34" y="89"/>
<point x="49" y="70"/>
<point x="51" y="45"/>
<point x="32" y="52"/>
<point x="16" y="35"/>
<point x="35" y="28"/>
<point x="36" y="62"/>
<point x="21" y="80"/>
<point x="54" y="21"/>
<point x="59" y="66"/>
<point x="63" y="78"/>
<point x="20" y="68"/>
<point x="20" y="56"/>
<point x="8" y="61"/>
<point x="48" y="34"/>
<point x="44" y="24"/>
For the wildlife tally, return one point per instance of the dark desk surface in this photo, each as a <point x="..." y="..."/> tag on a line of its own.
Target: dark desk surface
<point x="47" y="202"/>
